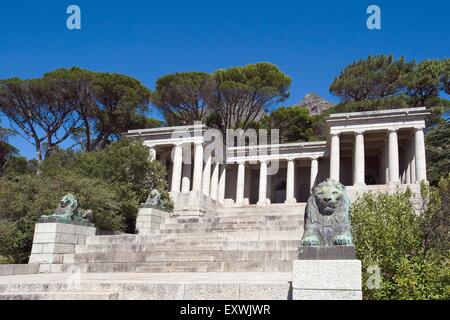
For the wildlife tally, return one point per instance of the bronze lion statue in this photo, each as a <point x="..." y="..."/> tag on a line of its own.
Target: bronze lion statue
<point x="327" y="219"/>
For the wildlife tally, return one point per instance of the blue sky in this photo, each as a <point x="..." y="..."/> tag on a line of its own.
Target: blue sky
<point x="310" y="41"/>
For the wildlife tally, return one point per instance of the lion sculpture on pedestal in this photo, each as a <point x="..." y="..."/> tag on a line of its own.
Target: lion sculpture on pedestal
<point x="68" y="210"/>
<point x="327" y="221"/>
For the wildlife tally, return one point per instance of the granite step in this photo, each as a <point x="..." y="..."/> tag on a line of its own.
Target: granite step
<point x="178" y="266"/>
<point x="186" y="256"/>
<point x="59" y="296"/>
<point x="253" y="235"/>
<point x="174" y="244"/>
<point x="157" y="286"/>
<point x="207" y="229"/>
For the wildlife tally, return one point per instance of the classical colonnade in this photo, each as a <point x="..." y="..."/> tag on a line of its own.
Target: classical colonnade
<point x="416" y="159"/>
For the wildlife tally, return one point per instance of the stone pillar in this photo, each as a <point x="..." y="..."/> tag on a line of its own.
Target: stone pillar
<point x="54" y="242"/>
<point x="206" y="180"/>
<point x="290" y="180"/>
<point x="214" y="181"/>
<point x="413" y="160"/>
<point x="393" y="157"/>
<point x="177" y="167"/>
<point x="334" y="157"/>
<point x="314" y="172"/>
<point x="262" y="200"/>
<point x="151" y="153"/>
<point x="359" y="160"/>
<point x="386" y="161"/>
<point x="421" y="169"/>
<point x="240" y="183"/>
<point x="222" y="180"/>
<point x="198" y="167"/>
<point x="408" y="165"/>
<point x="186" y="180"/>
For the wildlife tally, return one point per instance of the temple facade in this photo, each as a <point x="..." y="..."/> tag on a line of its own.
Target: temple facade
<point x="375" y="150"/>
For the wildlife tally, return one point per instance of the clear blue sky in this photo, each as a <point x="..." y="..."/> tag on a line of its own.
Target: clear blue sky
<point x="310" y="41"/>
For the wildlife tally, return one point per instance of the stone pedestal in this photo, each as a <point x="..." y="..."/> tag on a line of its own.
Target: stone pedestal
<point x="327" y="273"/>
<point x="149" y="219"/>
<point x="52" y="240"/>
<point x="192" y="204"/>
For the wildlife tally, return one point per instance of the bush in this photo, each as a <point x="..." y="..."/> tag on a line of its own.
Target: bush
<point x="112" y="182"/>
<point x="389" y="234"/>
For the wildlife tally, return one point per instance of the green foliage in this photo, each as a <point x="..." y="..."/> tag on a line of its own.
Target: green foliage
<point x="390" y="235"/>
<point x="24" y="198"/>
<point x="294" y="123"/>
<point x="446" y="76"/>
<point x="112" y="182"/>
<point x="124" y="166"/>
<point x="6" y="150"/>
<point x="184" y="97"/>
<point x="243" y="94"/>
<point x="371" y="78"/>
<point x="424" y="81"/>
<point x="437" y="141"/>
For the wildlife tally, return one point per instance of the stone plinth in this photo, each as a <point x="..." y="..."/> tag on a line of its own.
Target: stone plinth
<point x="327" y="273"/>
<point x="191" y="204"/>
<point x="149" y="219"/>
<point x="52" y="240"/>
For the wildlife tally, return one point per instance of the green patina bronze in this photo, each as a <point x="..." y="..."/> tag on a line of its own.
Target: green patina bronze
<point x="327" y="219"/>
<point x="69" y="211"/>
<point x="154" y="201"/>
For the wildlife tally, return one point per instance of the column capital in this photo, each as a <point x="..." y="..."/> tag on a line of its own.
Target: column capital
<point x="314" y="158"/>
<point x="151" y="146"/>
<point x="197" y="143"/>
<point x="264" y="161"/>
<point x="418" y="129"/>
<point x="178" y="143"/>
<point x="358" y="132"/>
<point x="291" y="159"/>
<point x="390" y="130"/>
<point x="241" y="162"/>
<point x="335" y="134"/>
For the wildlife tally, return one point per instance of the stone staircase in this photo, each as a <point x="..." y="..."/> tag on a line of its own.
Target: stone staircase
<point x="248" y="239"/>
<point x="229" y="254"/>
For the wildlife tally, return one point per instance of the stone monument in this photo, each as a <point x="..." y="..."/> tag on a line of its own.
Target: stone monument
<point x="56" y="235"/>
<point x="151" y="214"/>
<point x="326" y="267"/>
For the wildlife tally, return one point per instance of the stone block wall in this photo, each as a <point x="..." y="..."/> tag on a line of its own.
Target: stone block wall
<point x="149" y="220"/>
<point x="53" y="240"/>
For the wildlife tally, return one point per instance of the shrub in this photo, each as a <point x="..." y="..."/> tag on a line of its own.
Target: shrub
<point x="389" y="234"/>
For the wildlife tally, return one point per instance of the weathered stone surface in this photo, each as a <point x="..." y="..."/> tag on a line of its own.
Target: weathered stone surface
<point x="327" y="275"/>
<point x="326" y="253"/>
<point x="211" y="291"/>
<point x="300" y="294"/>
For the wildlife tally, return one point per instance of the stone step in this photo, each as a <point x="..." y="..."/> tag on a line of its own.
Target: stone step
<point x="59" y="296"/>
<point x="235" y="225"/>
<point x="174" y="244"/>
<point x="185" y="236"/>
<point x="238" y="219"/>
<point x="159" y="286"/>
<point x="186" y="256"/>
<point x="179" y="266"/>
<point x="200" y="228"/>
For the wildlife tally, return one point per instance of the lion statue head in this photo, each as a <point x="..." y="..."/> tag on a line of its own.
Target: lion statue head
<point x="68" y="210"/>
<point x="327" y="216"/>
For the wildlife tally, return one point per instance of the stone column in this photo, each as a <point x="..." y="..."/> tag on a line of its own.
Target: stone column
<point x="334" y="156"/>
<point x="386" y="161"/>
<point x="198" y="167"/>
<point x="186" y="180"/>
<point x="359" y="159"/>
<point x="314" y="172"/>
<point x="290" y="180"/>
<point x="408" y="166"/>
<point x="413" y="160"/>
<point x="222" y="180"/>
<point x="262" y="200"/>
<point x="421" y="169"/>
<point x="177" y="167"/>
<point x="151" y="153"/>
<point x="206" y="180"/>
<point x="240" y="183"/>
<point x="214" y="181"/>
<point x="393" y="157"/>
